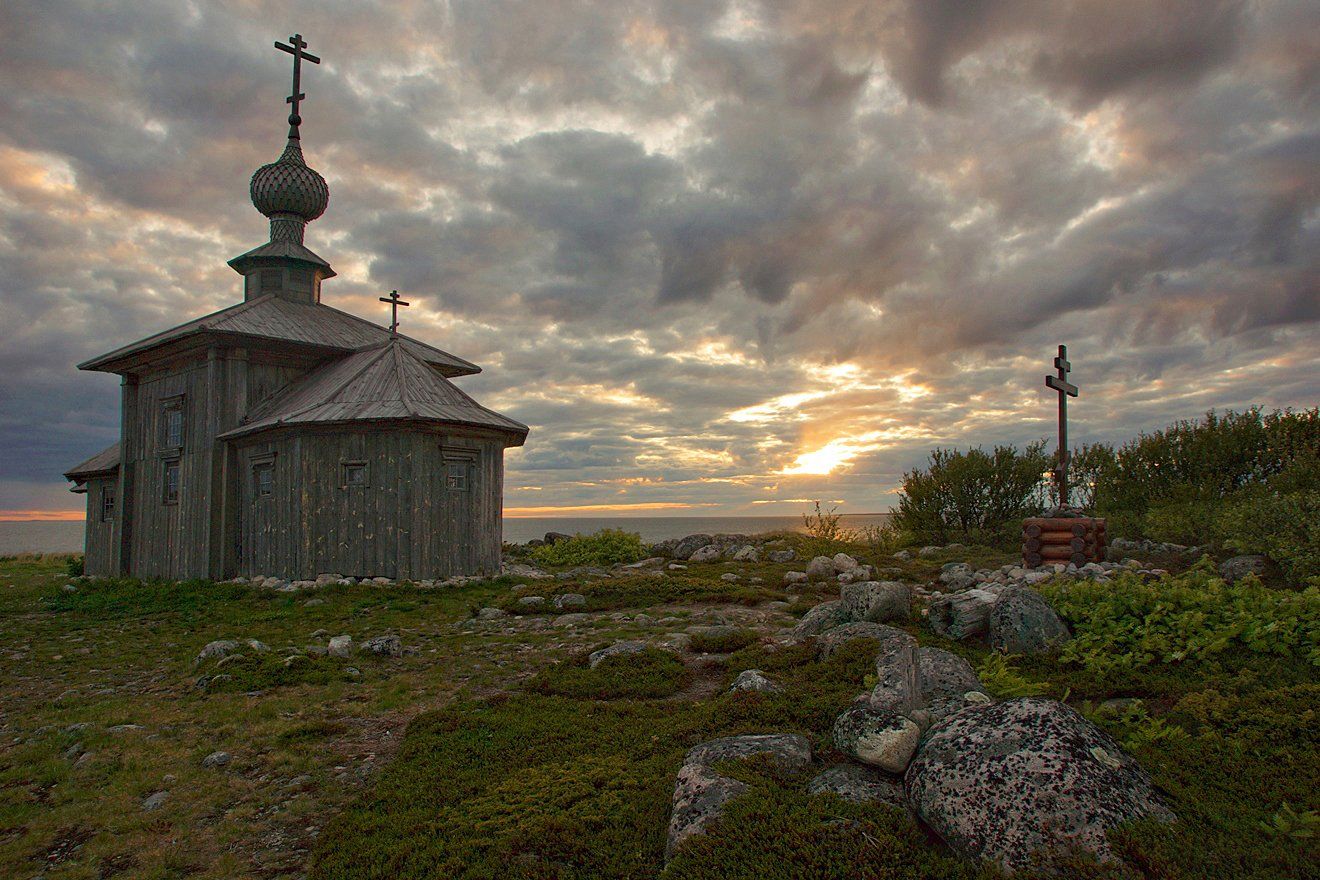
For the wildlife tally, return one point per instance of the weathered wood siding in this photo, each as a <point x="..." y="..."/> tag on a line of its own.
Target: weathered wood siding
<point x="404" y="523"/>
<point x="99" y="551"/>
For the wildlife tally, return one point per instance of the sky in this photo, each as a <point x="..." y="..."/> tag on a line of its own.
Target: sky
<point x="722" y="257"/>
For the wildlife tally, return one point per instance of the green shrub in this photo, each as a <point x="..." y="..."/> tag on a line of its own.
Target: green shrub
<point x="650" y="674"/>
<point x="1280" y="519"/>
<point x="1130" y="623"/>
<point x="723" y="642"/>
<point x="606" y="547"/>
<point x="74" y="566"/>
<point x="974" y="496"/>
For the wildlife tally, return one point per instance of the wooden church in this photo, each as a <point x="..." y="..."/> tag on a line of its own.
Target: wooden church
<point x="283" y="437"/>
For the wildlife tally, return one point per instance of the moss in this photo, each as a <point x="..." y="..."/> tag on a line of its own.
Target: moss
<point x="263" y="671"/>
<point x="723" y="642"/>
<point x="646" y="591"/>
<point x="649" y="674"/>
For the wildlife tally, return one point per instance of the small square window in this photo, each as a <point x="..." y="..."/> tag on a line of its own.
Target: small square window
<point x="108" y="504"/>
<point x="355" y="473"/>
<point x="263" y="479"/>
<point x="171" y="429"/>
<point x="456" y="476"/>
<point x="171" y="483"/>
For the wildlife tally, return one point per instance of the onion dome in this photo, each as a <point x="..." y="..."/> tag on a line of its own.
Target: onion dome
<point x="287" y="188"/>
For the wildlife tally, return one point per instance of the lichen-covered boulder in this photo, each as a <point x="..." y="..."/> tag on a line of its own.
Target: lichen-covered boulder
<point x="618" y="649"/>
<point x="385" y="646"/>
<point x="709" y="553"/>
<point x="781" y="556"/>
<point x="948" y="683"/>
<point x="218" y="648"/>
<point x="859" y="784"/>
<point x="754" y="680"/>
<point x="960" y="616"/>
<point x="685" y="547"/>
<point x="832" y="640"/>
<point x="1022" y="776"/>
<point x="1022" y="622"/>
<point x="877" y="601"/>
<point x="843" y="562"/>
<point x="878" y="737"/>
<point x="700" y="793"/>
<point x="820" y="568"/>
<point x="824" y="616"/>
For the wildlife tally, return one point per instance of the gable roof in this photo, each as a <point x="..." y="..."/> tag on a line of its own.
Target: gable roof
<point x="388" y="382"/>
<point x="104" y="462"/>
<point x="273" y="318"/>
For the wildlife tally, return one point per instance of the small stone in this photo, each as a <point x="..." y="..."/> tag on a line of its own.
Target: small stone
<point x="217" y="759"/>
<point x="709" y="553"/>
<point x="677" y="566"/>
<point x="155" y="801"/>
<point x="754" y="680"/>
<point x="781" y="556"/>
<point x="878" y="737"/>
<point x="729" y="577"/>
<point x="794" y="577"/>
<point x="570" y="600"/>
<point x="531" y="602"/>
<point x="216" y="649"/>
<point x="491" y="613"/>
<point x="384" y="646"/>
<point x="928" y="551"/>
<point x="618" y="649"/>
<point x="312" y="603"/>
<point x="571" y="619"/>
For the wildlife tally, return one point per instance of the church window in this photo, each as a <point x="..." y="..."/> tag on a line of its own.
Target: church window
<point x="456" y="476"/>
<point x="108" y="504"/>
<point x="171" y="482"/>
<point x="459" y="464"/>
<point x="172" y="423"/>
<point x="263" y="479"/>
<point x="355" y="473"/>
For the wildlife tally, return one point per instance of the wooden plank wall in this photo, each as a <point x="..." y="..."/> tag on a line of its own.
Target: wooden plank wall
<point x="405" y="523"/>
<point x="99" y="552"/>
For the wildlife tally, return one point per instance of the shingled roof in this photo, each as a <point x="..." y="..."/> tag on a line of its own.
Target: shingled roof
<point x="276" y="319"/>
<point x="104" y="462"/>
<point x="388" y="382"/>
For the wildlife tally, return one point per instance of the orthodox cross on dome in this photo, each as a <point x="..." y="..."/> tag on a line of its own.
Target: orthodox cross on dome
<point x="395" y="302"/>
<point x="295" y="48"/>
<point x="1066" y="389"/>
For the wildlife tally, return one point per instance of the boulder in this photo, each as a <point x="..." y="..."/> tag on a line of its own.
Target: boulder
<point x="531" y="602"/>
<point x="689" y="545"/>
<point x="709" y="553"/>
<point x="781" y="556"/>
<point x="216" y="649"/>
<point x="556" y="537"/>
<point x="877" y="737"/>
<point x="927" y="552"/>
<point x="1026" y="775"/>
<point x="877" y="601"/>
<point x="961" y="615"/>
<point x="155" y="801"/>
<point x="795" y="577"/>
<point x="1240" y="566"/>
<point x="820" y="569"/>
<point x="700" y="794"/>
<point x="824" y="616"/>
<point x="340" y="646"/>
<point x="843" y="562"/>
<point x="859" y="784"/>
<point x="903" y="555"/>
<point x="754" y="680"/>
<point x="385" y="646"/>
<point x="491" y="613"/>
<point x="832" y="640"/>
<point x="898" y="683"/>
<point x="570" y="600"/>
<point x="948" y="683"/>
<point x="747" y="553"/>
<point x="523" y="570"/>
<point x="1022" y="622"/>
<point x="618" y="649"/>
<point x="216" y="759"/>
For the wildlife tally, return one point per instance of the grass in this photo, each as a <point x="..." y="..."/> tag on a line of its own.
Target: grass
<point x="493" y="750"/>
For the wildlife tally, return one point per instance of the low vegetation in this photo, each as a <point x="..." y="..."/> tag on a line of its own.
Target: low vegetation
<point x="605" y="547"/>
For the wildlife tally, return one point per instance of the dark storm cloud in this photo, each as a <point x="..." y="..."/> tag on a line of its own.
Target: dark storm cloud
<point x="693" y="244"/>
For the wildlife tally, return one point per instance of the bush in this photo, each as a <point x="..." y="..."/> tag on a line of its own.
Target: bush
<point x="606" y="547"/>
<point x="1130" y="623"/>
<point x="74" y="566"/>
<point x="1280" y="520"/>
<point x="975" y="496"/>
<point x="723" y="642"/>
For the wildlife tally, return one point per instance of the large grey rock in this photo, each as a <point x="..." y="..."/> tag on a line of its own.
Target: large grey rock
<point x="898" y="681"/>
<point x="340" y="646"/>
<point x="877" y="601"/>
<point x="793" y="578"/>
<point x="960" y="616"/>
<point x="832" y="640"/>
<point x="689" y="545"/>
<point x="859" y="784"/>
<point x="1025" y="775"/>
<point x="824" y="616"/>
<point x="155" y="802"/>
<point x="948" y="683"/>
<point x="1022" y="622"/>
<point x="570" y="600"/>
<point x="618" y="649"/>
<point x="821" y="568"/>
<point x="843" y="562"/>
<point x="754" y="680"/>
<point x="217" y="759"/>
<point x="700" y="794"/>
<point x="781" y="556"/>
<point x="216" y="649"/>
<point x="709" y="553"/>
<point x="747" y="553"/>
<point x="877" y="737"/>
<point x="385" y="646"/>
<point x="1238" y="567"/>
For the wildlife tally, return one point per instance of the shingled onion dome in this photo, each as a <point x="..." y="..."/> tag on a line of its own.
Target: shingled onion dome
<point x="290" y="193"/>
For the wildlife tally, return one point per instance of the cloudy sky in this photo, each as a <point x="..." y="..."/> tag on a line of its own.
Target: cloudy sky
<point x="721" y="256"/>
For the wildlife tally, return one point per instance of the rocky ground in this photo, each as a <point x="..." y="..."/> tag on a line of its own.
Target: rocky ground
<point x="595" y="721"/>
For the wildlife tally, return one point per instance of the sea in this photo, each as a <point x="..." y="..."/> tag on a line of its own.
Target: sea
<point x="67" y="537"/>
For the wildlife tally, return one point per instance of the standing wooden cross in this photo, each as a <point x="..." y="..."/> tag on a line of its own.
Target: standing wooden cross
<point x="297" y="44"/>
<point x="395" y="302"/>
<point x="1066" y="389"/>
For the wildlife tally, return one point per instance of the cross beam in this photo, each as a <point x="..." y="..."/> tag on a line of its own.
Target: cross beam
<point x="1066" y="389"/>
<point x="295" y="48"/>
<point x="395" y="302"/>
